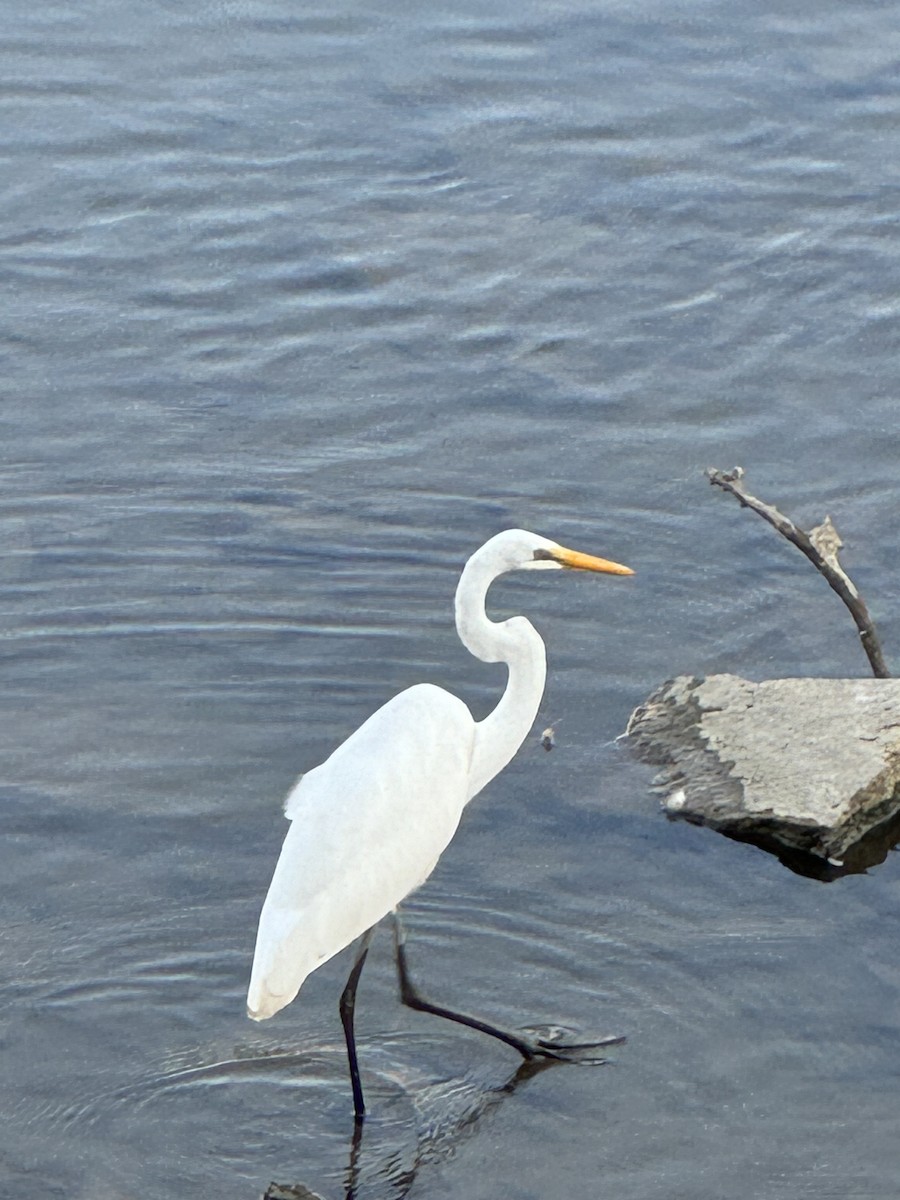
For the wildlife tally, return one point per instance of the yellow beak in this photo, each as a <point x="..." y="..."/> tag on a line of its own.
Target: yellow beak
<point x="586" y="562"/>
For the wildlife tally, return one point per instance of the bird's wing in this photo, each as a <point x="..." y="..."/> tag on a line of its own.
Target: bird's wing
<point x="367" y="827"/>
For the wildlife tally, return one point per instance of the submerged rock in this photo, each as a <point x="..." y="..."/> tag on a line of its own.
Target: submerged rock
<point x="810" y="766"/>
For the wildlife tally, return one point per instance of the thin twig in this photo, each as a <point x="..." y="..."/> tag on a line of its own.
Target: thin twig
<point x="820" y="547"/>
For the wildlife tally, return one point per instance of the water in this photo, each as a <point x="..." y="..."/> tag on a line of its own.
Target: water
<point x="300" y="306"/>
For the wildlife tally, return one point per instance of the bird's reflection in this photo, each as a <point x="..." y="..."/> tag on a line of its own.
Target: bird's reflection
<point x="445" y="1113"/>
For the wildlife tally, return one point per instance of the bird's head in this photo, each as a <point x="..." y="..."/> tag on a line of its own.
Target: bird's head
<point x="519" y="550"/>
<point x="512" y="550"/>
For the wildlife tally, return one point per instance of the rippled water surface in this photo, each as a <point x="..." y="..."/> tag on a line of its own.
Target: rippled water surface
<point x="301" y="304"/>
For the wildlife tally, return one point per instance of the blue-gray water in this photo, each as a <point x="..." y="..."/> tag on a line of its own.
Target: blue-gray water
<point x="300" y="304"/>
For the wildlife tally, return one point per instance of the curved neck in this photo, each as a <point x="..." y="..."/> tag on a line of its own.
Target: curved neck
<point x="515" y="642"/>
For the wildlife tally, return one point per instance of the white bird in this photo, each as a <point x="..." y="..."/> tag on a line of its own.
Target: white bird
<point x="370" y="823"/>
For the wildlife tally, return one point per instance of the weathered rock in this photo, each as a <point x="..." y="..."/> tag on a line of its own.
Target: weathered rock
<point x="811" y="765"/>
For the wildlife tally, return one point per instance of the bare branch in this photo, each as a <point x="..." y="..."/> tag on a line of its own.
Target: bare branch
<point x="821" y="548"/>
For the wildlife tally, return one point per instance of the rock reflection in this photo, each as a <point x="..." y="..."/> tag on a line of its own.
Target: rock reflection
<point x="858" y="859"/>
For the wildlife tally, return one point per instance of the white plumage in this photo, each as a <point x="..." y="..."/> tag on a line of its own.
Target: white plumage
<point x="367" y="828"/>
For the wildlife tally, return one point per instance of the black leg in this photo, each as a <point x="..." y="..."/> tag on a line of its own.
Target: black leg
<point x="347" y="1007"/>
<point x="529" y="1049"/>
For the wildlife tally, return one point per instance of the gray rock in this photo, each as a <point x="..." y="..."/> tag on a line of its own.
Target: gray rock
<point x="808" y="765"/>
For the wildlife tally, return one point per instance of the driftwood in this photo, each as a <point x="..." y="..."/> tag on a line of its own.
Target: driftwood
<point x="821" y="547"/>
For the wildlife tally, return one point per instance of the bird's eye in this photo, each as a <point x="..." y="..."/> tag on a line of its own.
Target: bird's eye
<point x="541" y="553"/>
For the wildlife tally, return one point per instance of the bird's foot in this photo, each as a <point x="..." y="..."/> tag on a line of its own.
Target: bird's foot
<point x="551" y="1042"/>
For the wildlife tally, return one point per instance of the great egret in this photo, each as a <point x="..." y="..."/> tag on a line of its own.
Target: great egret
<point x="369" y="824"/>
